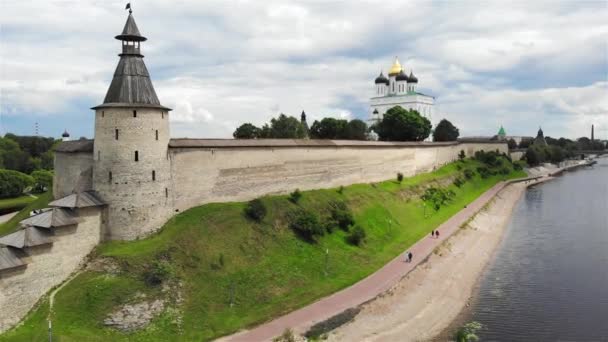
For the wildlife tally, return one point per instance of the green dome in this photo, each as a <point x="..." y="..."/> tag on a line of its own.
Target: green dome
<point x="501" y="132"/>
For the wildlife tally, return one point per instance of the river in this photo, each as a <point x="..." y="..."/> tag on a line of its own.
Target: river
<point x="549" y="278"/>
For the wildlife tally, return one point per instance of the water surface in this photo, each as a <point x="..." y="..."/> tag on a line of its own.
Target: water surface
<point x="549" y="280"/>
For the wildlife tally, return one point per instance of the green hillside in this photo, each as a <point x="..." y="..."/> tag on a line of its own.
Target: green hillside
<point x="212" y="256"/>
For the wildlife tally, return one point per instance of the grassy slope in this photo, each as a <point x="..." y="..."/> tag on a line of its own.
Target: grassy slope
<point x="15" y="202"/>
<point x="270" y="271"/>
<point x="41" y="202"/>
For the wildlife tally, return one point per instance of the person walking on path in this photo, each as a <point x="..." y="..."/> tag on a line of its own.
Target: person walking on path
<point x="433" y="234"/>
<point x="437" y="234"/>
<point x="406" y="257"/>
<point x="410" y="256"/>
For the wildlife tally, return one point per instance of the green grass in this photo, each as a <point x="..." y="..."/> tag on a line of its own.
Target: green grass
<point x="269" y="270"/>
<point x="17" y="202"/>
<point x="41" y="202"/>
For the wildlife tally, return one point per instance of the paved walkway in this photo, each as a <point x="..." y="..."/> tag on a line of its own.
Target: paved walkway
<point x="380" y="281"/>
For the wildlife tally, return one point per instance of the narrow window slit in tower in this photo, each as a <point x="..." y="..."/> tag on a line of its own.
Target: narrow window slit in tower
<point x="98" y="155"/>
<point x="134" y="113"/>
<point x="166" y="193"/>
<point x="156" y="134"/>
<point x="110" y="176"/>
<point x="136" y="155"/>
<point x="153" y="175"/>
<point x="116" y="134"/>
<point x="103" y="113"/>
<point x="162" y="115"/>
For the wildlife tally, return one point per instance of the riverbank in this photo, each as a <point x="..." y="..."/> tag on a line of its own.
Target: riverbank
<point x="427" y="301"/>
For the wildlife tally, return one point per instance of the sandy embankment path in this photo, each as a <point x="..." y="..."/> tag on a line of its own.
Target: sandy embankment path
<point x="430" y="297"/>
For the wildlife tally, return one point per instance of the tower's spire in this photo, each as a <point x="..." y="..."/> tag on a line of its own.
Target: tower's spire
<point x="131" y="84"/>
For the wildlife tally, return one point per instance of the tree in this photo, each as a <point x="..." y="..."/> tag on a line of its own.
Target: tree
<point x="400" y="124"/>
<point x="512" y="144"/>
<point x="286" y="127"/>
<point x="525" y="143"/>
<point x="13" y="183"/>
<point x="355" y="130"/>
<point x="328" y="128"/>
<point x="246" y="131"/>
<point x="43" y="180"/>
<point x="445" y="131"/>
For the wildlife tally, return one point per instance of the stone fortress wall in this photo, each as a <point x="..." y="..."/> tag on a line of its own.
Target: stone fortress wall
<point x="206" y="170"/>
<point x="47" y="266"/>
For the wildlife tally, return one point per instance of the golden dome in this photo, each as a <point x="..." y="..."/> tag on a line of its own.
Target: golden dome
<point x="396" y="68"/>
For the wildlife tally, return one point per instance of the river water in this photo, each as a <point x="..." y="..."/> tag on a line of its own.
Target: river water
<point x="549" y="279"/>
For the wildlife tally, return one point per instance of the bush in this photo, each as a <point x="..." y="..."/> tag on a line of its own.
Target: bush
<point x="341" y="190"/>
<point x="458" y="182"/>
<point x="255" y="210"/>
<point x="286" y="336"/>
<point x="43" y="180"/>
<point x="306" y="224"/>
<point x="13" y="183"/>
<point x="468" y="332"/>
<point x="356" y="236"/>
<point x="158" y="272"/>
<point x="461" y="155"/>
<point x="330" y="225"/>
<point x="295" y="196"/>
<point x="468" y="173"/>
<point x="399" y="177"/>
<point x="437" y="196"/>
<point x="484" y="172"/>
<point x="341" y="214"/>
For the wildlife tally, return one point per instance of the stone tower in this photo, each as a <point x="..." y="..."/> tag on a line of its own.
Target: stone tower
<point x="131" y="169"/>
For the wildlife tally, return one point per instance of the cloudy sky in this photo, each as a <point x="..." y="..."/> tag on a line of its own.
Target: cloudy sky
<point x="522" y="64"/>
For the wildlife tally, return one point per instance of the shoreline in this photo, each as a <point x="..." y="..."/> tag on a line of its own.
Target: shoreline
<point x="429" y="299"/>
<point x="433" y="300"/>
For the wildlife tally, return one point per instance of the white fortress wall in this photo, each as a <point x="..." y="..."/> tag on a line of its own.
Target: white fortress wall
<point x="47" y="266"/>
<point x="73" y="172"/>
<point x="221" y="174"/>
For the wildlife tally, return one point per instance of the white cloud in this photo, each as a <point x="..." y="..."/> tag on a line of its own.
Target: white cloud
<point x="222" y="63"/>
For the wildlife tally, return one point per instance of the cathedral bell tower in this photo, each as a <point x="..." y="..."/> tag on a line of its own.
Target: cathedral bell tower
<point x="131" y="169"/>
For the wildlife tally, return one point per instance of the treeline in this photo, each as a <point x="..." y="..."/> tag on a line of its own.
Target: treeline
<point x="558" y="150"/>
<point x="289" y="127"/>
<point x="26" y="153"/>
<point x="398" y="124"/>
<point x="26" y="163"/>
<point x="580" y="144"/>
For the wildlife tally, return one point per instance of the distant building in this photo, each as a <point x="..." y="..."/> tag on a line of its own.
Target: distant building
<point x="540" y="138"/>
<point x="65" y="136"/>
<point x="502" y="135"/>
<point x="399" y="89"/>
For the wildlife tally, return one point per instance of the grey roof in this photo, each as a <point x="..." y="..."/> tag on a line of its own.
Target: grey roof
<point x="229" y="143"/>
<point x="79" y="200"/>
<point x="131" y="85"/>
<point x="55" y="217"/>
<point x="10" y="258"/>
<point x="73" y="146"/>
<point x="130" y="31"/>
<point x="479" y="140"/>
<point x="27" y="237"/>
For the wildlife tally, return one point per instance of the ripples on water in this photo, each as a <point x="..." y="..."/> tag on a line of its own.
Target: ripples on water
<point x="549" y="281"/>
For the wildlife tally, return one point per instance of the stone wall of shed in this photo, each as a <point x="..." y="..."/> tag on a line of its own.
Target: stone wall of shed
<point x="73" y="173"/>
<point x="47" y="266"/>
<point x="205" y="175"/>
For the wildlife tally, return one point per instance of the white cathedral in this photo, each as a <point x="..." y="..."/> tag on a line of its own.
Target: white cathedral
<point x="398" y="89"/>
